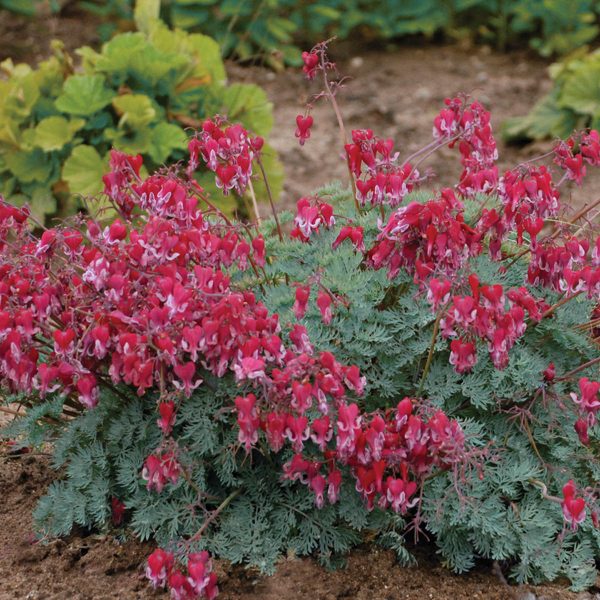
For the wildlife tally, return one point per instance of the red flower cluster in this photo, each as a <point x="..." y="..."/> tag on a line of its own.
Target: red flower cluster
<point x="311" y="62"/>
<point x="140" y="306"/>
<point x="354" y="234"/>
<point x="429" y="239"/>
<point x="382" y="181"/>
<point x="529" y="197"/>
<point x="571" y="266"/>
<point x="310" y="216"/>
<point x="200" y="581"/>
<point x="289" y="392"/>
<point x="161" y="468"/>
<point x="470" y="124"/>
<point x="397" y="443"/>
<point x="588" y="404"/>
<point x="325" y="302"/>
<point x="228" y="151"/>
<point x="487" y="314"/>
<point x="572" y="162"/>
<point x="124" y="170"/>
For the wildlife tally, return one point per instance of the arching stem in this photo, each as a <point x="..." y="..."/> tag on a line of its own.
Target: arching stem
<point x="434" y="333"/>
<point x="254" y="202"/>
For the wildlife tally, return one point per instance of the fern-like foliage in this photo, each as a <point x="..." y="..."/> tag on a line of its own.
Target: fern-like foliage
<point x="493" y="510"/>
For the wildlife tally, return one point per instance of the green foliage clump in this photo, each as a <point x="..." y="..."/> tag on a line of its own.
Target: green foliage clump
<point x="573" y="102"/>
<point x="138" y="94"/>
<point x="29" y="8"/>
<point x="274" y="28"/>
<point x="551" y="26"/>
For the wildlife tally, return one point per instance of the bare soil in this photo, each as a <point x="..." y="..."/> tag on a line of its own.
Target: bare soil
<point x="28" y="39"/>
<point x="397" y="92"/>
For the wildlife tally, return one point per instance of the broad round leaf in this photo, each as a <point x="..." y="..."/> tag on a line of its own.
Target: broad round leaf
<point x="83" y="171"/>
<point x="83" y="95"/>
<point x="581" y="91"/>
<point x="249" y="105"/>
<point x="166" y="137"/>
<point x="134" y="109"/>
<point x="29" y="166"/>
<point x="53" y="133"/>
<point x="136" y="141"/>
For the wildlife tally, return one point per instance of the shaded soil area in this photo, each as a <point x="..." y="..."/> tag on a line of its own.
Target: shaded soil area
<point x="397" y="93"/>
<point x="28" y="40"/>
<point x="91" y="566"/>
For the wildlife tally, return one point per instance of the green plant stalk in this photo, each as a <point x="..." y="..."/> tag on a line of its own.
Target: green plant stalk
<point x="215" y="513"/>
<point x="254" y="202"/>
<point x="434" y="333"/>
<point x="589" y="363"/>
<point x="341" y="126"/>
<point x="270" y="196"/>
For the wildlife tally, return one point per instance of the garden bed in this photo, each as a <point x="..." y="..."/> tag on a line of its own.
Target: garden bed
<point x="397" y="93"/>
<point x="100" y="567"/>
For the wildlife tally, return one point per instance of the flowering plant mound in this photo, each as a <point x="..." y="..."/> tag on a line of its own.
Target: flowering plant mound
<point x="403" y="360"/>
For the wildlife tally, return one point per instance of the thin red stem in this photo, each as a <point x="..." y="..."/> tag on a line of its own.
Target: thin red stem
<point x="342" y="128"/>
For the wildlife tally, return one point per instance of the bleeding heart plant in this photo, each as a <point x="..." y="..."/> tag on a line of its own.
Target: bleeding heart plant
<point x="319" y="359"/>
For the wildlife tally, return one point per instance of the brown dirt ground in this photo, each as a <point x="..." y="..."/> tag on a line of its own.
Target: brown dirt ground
<point x="397" y="92"/>
<point x="28" y="40"/>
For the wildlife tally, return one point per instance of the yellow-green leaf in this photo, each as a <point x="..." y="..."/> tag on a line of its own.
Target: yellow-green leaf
<point x="146" y="14"/>
<point x="136" y="141"/>
<point x="166" y="137"/>
<point x="134" y="109"/>
<point x="29" y="166"/>
<point x="83" y="171"/>
<point x="248" y="104"/>
<point x="83" y="95"/>
<point x="53" y="133"/>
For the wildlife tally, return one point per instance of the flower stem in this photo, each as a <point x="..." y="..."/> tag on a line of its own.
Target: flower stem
<point x="436" y="328"/>
<point x="270" y="195"/>
<point x="227" y="220"/>
<point x="254" y="202"/>
<point x="342" y="128"/>
<point x="215" y="513"/>
<point x="582" y="367"/>
<point x="544" y="490"/>
<point x="559" y="304"/>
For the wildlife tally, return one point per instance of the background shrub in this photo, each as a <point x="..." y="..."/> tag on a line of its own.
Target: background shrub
<point x="138" y="94"/>
<point x="573" y="102"/>
<point x="272" y="29"/>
